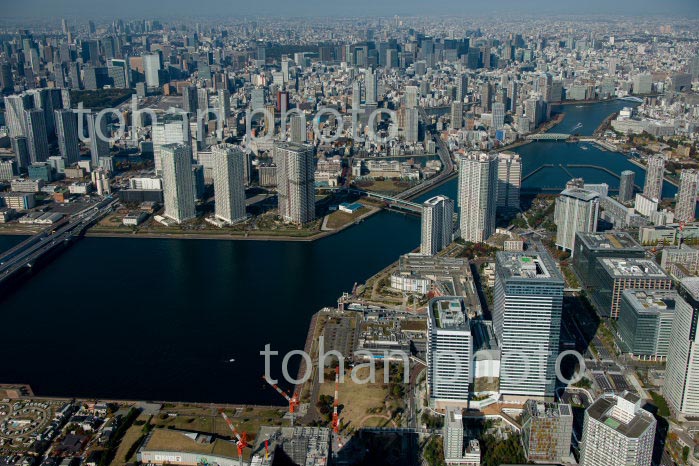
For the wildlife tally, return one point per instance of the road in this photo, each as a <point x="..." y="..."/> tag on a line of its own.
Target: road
<point x="32" y="249"/>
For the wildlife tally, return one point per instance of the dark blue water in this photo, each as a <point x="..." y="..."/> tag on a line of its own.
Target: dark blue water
<point x="160" y="319"/>
<point x="539" y="153"/>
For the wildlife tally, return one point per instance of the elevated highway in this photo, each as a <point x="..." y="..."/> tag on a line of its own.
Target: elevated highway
<point x="27" y="253"/>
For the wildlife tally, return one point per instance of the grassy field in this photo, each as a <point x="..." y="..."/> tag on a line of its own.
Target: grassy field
<point x="387" y="186"/>
<point x="338" y="219"/>
<point x="126" y="451"/>
<point x="203" y="419"/>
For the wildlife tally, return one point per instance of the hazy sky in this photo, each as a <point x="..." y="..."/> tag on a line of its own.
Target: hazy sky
<point x="170" y="8"/>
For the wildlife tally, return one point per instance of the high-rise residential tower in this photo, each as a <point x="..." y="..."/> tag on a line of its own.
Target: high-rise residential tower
<point x="626" y="185"/>
<point x="437" y="224"/>
<point x="178" y="191"/>
<point x="509" y="181"/>
<point x="478" y="175"/>
<point x="617" y="432"/>
<point x="295" y="182"/>
<point x="577" y="210"/>
<point x="229" y="182"/>
<point x="653" y="187"/>
<point x="685" y="211"/>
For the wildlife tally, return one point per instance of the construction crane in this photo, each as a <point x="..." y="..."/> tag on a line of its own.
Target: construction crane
<point x="336" y="418"/>
<point x="241" y="440"/>
<point x="293" y="400"/>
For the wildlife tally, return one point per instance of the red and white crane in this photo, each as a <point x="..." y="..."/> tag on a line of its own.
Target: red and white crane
<point x="241" y="439"/>
<point x="336" y="418"/>
<point x="292" y="400"/>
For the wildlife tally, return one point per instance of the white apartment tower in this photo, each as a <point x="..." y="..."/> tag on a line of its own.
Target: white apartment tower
<point x="577" y="211"/>
<point x="178" y="182"/>
<point x="509" y="180"/>
<point x="617" y="432"/>
<point x="295" y="182"/>
<point x="477" y="196"/>
<point x="229" y="182"/>
<point x="437" y="224"/>
<point x="653" y="187"/>
<point x="687" y="196"/>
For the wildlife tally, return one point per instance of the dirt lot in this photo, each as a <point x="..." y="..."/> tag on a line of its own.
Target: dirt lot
<point x="362" y="403"/>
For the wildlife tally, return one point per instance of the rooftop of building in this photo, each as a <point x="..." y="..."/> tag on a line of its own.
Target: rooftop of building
<point x="435" y="200"/>
<point x="602" y="410"/>
<point x="454" y="418"/>
<point x="528" y="266"/>
<point x="540" y="409"/>
<point x="624" y="267"/>
<point x="189" y="442"/>
<point x="610" y="240"/>
<point x="581" y="194"/>
<point x="652" y="301"/>
<point x="691" y="284"/>
<point x="448" y="313"/>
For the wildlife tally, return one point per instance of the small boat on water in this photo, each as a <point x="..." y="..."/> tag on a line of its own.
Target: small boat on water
<point x="584" y="147"/>
<point x="579" y="125"/>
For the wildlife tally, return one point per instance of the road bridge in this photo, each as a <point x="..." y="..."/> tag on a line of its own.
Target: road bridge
<point x="547" y="137"/>
<point x="25" y="254"/>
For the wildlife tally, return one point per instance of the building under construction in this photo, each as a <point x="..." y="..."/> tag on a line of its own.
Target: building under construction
<point x="547" y="429"/>
<point x="302" y="446"/>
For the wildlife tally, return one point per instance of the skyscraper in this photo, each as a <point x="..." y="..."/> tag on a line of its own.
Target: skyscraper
<point x="509" y="181"/>
<point x="298" y="128"/>
<point x="687" y="196"/>
<point x="655" y="171"/>
<point x="513" y="95"/>
<point x="371" y="87"/>
<point x="437" y="224"/>
<point x="151" y="68"/>
<point x="229" y="182"/>
<point x="178" y="191"/>
<point x="682" y="371"/>
<point x="457" y="115"/>
<point x="21" y="149"/>
<point x="99" y="146"/>
<point x="190" y="101"/>
<point x="478" y="175"/>
<point x="67" y="131"/>
<point x="356" y="95"/>
<point x="15" y="119"/>
<point x="169" y="129"/>
<point x="486" y="96"/>
<point x="527" y="309"/>
<point x="411" y="93"/>
<point x="449" y="351"/>
<point x="577" y="210"/>
<point x="461" y="87"/>
<point x="617" y="432"/>
<point x="37" y="138"/>
<point x="411" y="130"/>
<point x="224" y="104"/>
<point x="626" y="185"/>
<point x="295" y="182"/>
<point x="498" y="115"/>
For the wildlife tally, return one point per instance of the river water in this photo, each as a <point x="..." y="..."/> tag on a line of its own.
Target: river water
<point x="161" y="319"/>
